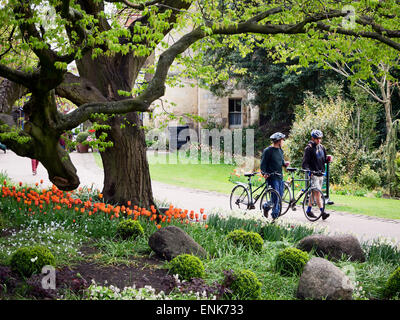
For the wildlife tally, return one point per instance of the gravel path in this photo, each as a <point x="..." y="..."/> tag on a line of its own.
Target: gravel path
<point x="364" y="227"/>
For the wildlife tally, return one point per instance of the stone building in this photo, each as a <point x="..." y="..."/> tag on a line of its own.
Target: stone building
<point x="233" y="111"/>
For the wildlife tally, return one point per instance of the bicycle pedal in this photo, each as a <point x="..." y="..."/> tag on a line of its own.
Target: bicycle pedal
<point x="294" y="209"/>
<point x="252" y="206"/>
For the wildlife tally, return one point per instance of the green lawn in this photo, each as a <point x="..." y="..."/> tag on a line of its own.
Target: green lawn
<point x="376" y="207"/>
<point x="208" y="177"/>
<point x="211" y="177"/>
<point x="214" y="177"/>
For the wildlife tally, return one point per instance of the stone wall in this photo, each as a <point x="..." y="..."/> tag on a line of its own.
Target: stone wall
<point x="197" y="101"/>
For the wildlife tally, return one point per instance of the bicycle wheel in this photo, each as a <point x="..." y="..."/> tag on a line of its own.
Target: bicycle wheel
<point x="315" y="212"/>
<point x="272" y="197"/>
<point x="286" y="199"/>
<point x="239" y="198"/>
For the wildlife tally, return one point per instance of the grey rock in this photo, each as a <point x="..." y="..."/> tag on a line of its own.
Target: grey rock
<point x="172" y="241"/>
<point x="333" y="246"/>
<point x="321" y="279"/>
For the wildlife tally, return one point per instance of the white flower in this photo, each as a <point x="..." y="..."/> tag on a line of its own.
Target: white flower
<point x="34" y="259"/>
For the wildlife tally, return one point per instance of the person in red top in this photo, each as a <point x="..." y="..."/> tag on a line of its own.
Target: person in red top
<point x="35" y="164"/>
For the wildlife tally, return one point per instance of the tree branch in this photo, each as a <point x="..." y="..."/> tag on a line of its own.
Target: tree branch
<point x="9" y="93"/>
<point x="83" y="113"/>
<point x="18" y="76"/>
<point x="156" y="87"/>
<point x="364" y="34"/>
<point x="78" y="90"/>
<point x="369" y="21"/>
<point x="140" y="6"/>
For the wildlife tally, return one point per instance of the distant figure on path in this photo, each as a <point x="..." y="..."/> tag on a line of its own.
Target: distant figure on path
<point x="35" y="164"/>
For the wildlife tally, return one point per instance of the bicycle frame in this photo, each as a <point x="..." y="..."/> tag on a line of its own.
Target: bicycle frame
<point x="251" y="191"/>
<point x="302" y="192"/>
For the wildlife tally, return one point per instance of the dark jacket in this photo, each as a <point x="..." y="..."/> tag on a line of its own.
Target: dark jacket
<point x="272" y="160"/>
<point x="314" y="157"/>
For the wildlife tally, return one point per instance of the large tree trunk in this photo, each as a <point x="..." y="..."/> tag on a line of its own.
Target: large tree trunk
<point x="126" y="170"/>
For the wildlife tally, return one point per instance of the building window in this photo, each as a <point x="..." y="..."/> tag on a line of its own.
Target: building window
<point x="235" y="112"/>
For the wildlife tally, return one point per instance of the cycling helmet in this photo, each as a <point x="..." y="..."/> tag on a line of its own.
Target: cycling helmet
<point x="277" y="136"/>
<point x="316" y="134"/>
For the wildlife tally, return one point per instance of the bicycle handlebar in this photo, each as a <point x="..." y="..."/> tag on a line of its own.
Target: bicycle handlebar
<point x="272" y="174"/>
<point x="313" y="172"/>
<point x="305" y="170"/>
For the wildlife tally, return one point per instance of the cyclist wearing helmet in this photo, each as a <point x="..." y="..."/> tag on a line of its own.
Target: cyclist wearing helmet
<point x="314" y="159"/>
<point x="271" y="162"/>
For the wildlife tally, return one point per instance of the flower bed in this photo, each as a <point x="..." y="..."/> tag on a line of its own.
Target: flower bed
<point x="79" y="228"/>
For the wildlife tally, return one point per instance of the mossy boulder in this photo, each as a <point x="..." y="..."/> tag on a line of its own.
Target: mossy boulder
<point x="392" y="286"/>
<point x="249" y="239"/>
<point x="244" y="284"/>
<point x="291" y="261"/>
<point x="30" y="260"/>
<point x="322" y="280"/>
<point x="333" y="247"/>
<point x="129" y="229"/>
<point x="187" y="267"/>
<point x="171" y="241"/>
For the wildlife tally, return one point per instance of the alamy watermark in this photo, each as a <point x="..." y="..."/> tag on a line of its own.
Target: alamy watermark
<point x="349" y="21"/>
<point x="204" y="146"/>
<point x="49" y="278"/>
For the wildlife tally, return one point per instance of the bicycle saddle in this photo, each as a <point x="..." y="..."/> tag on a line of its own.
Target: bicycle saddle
<point x="249" y="174"/>
<point x="291" y="169"/>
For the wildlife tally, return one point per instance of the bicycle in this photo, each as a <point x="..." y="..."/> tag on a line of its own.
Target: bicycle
<point x="242" y="195"/>
<point x="289" y="201"/>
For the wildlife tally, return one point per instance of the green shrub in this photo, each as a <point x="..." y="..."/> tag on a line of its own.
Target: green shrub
<point x="82" y="136"/>
<point x="245" y="285"/>
<point x="360" y="192"/>
<point x="187" y="266"/>
<point x="247" y="238"/>
<point x="331" y="115"/>
<point x="30" y="260"/>
<point x="291" y="261"/>
<point x="129" y="229"/>
<point x="392" y="286"/>
<point x="369" y="178"/>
